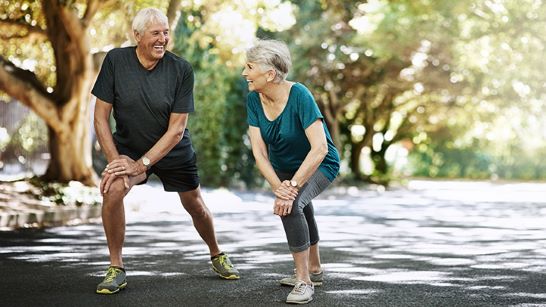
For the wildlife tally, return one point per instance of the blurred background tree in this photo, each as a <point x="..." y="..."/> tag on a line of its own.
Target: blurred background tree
<point x="442" y="75"/>
<point x="213" y="36"/>
<point x="449" y="89"/>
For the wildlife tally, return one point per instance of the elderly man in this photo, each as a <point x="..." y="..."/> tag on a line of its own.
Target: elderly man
<point x="151" y="93"/>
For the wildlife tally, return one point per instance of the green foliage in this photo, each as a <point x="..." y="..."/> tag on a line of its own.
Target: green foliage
<point x="442" y="158"/>
<point x="442" y="162"/>
<point x="218" y="125"/>
<point x="460" y="81"/>
<point x="393" y="70"/>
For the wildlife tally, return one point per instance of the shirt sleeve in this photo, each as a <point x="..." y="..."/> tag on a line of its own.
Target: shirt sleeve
<point x="104" y="86"/>
<point x="183" y="100"/>
<point x="308" y="110"/>
<point x="251" y="115"/>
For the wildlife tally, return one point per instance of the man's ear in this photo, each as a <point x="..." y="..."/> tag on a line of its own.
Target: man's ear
<point x="137" y="35"/>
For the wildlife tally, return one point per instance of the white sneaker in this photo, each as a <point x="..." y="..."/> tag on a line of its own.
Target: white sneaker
<point x="301" y="294"/>
<point x="316" y="279"/>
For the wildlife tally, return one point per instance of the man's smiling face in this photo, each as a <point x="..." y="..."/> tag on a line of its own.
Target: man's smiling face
<point x="153" y="42"/>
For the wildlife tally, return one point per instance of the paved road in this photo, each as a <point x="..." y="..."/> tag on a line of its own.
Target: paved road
<point x="433" y="244"/>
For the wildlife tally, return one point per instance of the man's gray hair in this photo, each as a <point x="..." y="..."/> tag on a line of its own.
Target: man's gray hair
<point x="147" y="16"/>
<point x="273" y="54"/>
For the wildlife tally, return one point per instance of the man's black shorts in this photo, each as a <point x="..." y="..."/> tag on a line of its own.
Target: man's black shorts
<point x="181" y="176"/>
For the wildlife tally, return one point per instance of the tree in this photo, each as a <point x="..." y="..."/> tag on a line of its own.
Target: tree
<point x="47" y="63"/>
<point x="498" y="54"/>
<point x="384" y="72"/>
<point x="213" y="36"/>
<point x="60" y="99"/>
<point x="358" y="81"/>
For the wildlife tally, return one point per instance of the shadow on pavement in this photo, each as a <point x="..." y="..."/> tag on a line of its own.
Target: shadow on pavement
<point x="397" y="248"/>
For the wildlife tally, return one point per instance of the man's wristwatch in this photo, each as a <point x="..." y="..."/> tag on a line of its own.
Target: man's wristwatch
<point x="294" y="184"/>
<point x="146" y="162"/>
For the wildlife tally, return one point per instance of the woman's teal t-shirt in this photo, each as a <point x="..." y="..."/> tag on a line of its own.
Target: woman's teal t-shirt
<point x="285" y="136"/>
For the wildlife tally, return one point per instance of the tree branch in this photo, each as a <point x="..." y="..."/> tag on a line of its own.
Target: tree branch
<point x="92" y="7"/>
<point x="24" y="86"/>
<point x="23" y="26"/>
<point x="173" y="14"/>
<point x="33" y="37"/>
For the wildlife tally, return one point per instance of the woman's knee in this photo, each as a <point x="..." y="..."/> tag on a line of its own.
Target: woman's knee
<point x="297" y="208"/>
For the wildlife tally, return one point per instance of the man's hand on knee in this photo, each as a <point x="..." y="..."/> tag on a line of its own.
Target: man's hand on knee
<point x="125" y="166"/>
<point x="108" y="179"/>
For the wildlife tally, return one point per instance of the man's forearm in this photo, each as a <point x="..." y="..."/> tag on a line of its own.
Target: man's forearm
<point x="173" y="135"/>
<point x="106" y="140"/>
<point x="165" y="144"/>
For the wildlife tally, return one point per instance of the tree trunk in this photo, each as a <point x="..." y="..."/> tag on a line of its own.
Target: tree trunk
<point x="70" y="150"/>
<point x="354" y="163"/>
<point x="66" y="164"/>
<point x="335" y="133"/>
<point x="380" y="162"/>
<point x="65" y="110"/>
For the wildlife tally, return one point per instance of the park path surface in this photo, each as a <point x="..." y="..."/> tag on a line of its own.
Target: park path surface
<point x="430" y="244"/>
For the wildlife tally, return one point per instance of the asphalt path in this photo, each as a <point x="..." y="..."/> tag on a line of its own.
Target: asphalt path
<point x="431" y="244"/>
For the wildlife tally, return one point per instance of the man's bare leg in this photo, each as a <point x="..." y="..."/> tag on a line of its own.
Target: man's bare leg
<point x="202" y="218"/>
<point x="113" y="217"/>
<point x="113" y="221"/>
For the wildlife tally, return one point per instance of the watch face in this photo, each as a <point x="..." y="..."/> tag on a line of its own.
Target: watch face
<point x="145" y="161"/>
<point x="293" y="183"/>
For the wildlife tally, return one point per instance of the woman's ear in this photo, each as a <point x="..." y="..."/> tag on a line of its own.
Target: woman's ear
<point x="271" y="74"/>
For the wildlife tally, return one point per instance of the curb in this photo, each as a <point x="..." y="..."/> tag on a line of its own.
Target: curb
<point x="14" y="217"/>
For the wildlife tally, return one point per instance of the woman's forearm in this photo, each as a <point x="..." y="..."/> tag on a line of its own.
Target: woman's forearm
<point x="266" y="169"/>
<point x="310" y="164"/>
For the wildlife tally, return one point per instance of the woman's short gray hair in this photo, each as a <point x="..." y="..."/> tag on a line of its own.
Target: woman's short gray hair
<point x="146" y="16"/>
<point x="271" y="53"/>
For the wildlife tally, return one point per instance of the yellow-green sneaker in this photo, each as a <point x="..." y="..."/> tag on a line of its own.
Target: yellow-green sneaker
<point x="113" y="282"/>
<point x="222" y="266"/>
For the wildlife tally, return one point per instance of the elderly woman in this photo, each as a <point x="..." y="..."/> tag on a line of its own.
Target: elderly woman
<point x="294" y="152"/>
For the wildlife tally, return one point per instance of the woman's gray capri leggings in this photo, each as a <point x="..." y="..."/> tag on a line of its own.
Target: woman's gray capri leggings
<point x="300" y="225"/>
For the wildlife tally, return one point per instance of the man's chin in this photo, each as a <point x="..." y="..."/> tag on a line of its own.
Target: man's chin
<point x="159" y="54"/>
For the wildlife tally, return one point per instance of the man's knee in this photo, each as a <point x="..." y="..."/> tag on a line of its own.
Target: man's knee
<point x="197" y="211"/>
<point x="116" y="191"/>
<point x="194" y="205"/>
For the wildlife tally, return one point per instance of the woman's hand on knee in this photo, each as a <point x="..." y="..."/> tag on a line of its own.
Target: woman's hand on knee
<point x="286" y="191"/>
<point x="282" y="207"/>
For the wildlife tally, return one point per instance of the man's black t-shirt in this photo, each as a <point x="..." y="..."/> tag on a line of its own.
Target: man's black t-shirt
<point x="143" y="100"/>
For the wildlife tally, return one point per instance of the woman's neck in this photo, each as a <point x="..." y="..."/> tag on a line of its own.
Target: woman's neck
<point x="276" y="92"/>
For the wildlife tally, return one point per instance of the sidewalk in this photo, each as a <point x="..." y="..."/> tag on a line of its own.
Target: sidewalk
<point x="434" y="244"/>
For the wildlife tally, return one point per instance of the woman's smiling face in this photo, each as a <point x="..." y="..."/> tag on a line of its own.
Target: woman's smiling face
<point x="256" y="76"/>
